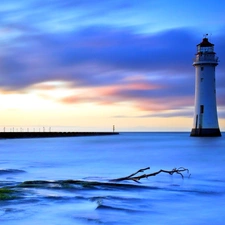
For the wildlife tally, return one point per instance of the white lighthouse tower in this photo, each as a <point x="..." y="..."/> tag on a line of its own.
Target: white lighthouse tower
<point x="205" y="114"/>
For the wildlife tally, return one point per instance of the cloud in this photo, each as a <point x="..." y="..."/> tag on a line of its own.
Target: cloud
<point x="177" y="113"/>
<point x="106" y="61"/>
<point x="143" y="94"/>
<point x="103" y="49"/>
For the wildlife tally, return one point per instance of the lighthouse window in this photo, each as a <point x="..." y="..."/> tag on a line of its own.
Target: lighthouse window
<point x="201" y="108"/>
<point x="202" y="68"/>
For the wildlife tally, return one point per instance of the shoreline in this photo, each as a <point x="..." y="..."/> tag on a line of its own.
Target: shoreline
<point x="16" y="135"/>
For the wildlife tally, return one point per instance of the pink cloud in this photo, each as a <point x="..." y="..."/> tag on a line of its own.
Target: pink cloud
<point x="108" y="95"/>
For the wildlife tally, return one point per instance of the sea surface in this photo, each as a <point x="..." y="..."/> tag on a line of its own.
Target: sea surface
<point x="59" y="181"/>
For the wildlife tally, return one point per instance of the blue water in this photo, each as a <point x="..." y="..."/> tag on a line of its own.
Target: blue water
<point x="56" y="163"/>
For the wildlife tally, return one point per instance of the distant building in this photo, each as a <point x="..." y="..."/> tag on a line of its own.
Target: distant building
<point x="205" y="114"/>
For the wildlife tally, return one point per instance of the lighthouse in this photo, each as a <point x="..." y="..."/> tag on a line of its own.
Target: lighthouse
<point x="205" y="114"/>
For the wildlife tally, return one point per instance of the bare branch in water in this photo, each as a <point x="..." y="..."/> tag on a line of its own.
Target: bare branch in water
<point x="132" y="177"/>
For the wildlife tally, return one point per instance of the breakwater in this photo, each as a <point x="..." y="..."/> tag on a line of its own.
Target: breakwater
<point x="12" y="135"/>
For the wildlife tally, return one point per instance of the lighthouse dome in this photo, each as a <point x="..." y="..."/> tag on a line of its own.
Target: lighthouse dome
<point x="205" y="43"/>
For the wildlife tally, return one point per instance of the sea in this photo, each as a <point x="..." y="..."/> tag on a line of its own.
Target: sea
<point x="68" y="180"/>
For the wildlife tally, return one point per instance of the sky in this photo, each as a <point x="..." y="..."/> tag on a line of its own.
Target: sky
<point x="88" y="64"/>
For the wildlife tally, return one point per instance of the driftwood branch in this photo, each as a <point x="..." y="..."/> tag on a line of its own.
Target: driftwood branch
<point x="132" y="177"/>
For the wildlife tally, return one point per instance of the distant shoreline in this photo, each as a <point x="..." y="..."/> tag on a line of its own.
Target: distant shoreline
<point x="16" y="135"/>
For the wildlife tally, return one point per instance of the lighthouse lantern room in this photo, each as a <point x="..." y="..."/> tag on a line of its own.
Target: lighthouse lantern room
<point x="205" y="114"/>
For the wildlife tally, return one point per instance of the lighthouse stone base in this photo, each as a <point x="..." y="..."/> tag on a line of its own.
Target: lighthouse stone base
<point x="210" y="132"/>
